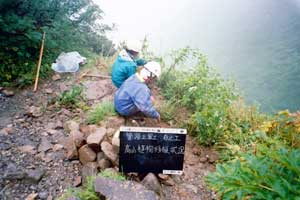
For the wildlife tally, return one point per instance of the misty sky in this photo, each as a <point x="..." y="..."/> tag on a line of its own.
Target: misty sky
<point x="256" y="41"/>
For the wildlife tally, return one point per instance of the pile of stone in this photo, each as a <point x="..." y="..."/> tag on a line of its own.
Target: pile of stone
<point x="97" y="148"/>
<point x="92" y="144"/>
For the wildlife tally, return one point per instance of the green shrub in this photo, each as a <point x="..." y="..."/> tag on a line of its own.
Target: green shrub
<point x="204" y="93"/>
<point x="71" y="98"/>
<point x="270" y="173"/>
<point x="100" y="111"/>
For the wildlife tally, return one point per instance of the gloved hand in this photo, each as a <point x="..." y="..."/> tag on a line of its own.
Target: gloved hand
<point x="140" y="62"/>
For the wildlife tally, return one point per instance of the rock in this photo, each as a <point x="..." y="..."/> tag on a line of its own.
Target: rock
<point x="125" y="190"/>
<point x="100" y="155"/>
<point x="48" y="91"/>
<point x="8" y="130"/>
<point x="191" y="187"/>
<point x="58" y="124"/>
<point x="97" y="137"/>
<point x="8" y="93"/>
<point x="65" y="112"/>
<point x="33" y="111"/>
<point x="116" y="140"/>
<point x="77" y="181"/>
<point x="115" y="122"/>
<point x="78" y="138"/>
<point x="203" y="159"/>
<point x="57" y="147"/>
<point x="35" y="175"/>
<point x="89" y="169"/>
<point x="71" y="126"/>
<point x="70" y="146"/>
<point x="107" y="149"/>
<point x="13" y="173"/>
<point x="43" y="195"/>
<point x="45" y="145"/>
<point x="163" y="176"/>
<point x="213" y="157"/>
<point x="51" y="131"/>
<point x="104" y="163"/>
<point x="168" y="182"/>
<point x="86" y="154"/>
<point x="27" y="149"/>
<point x="32" y="196"/>
<point x="96" y="90"/>
<point x="63" y="87"/>
<point x="110" y="132"/>
<point x="151" y="182"/>
<point x="87" y="129"/>
<point x="56" y="77"/>
<point x="196" y="151"/>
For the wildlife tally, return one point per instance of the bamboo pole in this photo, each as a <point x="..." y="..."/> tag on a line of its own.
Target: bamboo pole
<point x="39" y="63"/>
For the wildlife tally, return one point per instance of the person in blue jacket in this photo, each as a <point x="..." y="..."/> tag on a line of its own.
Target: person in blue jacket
<point x="134" y="96"/>
<point x="126" y="63"/>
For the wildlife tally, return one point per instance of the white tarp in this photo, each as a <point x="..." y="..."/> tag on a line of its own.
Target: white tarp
<point x="68" y="62"/>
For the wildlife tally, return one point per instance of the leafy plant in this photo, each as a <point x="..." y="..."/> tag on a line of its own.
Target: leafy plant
<point x="284" y="126"/>
<point x="270" y="173"/>
<point x="100" y="111"/>
<point x="70" y="25"/>
<point x="71" y="98"/>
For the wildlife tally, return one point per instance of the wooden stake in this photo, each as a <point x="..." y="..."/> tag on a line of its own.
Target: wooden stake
<point x="39" y="63"/>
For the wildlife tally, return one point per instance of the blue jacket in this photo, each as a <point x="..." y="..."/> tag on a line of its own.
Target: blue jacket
<point x="124" y="67"/>
<point x="134" y="96"/>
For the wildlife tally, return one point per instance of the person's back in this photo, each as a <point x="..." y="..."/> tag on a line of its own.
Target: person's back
<point x="123" y="68"/>
<point x="134" y="96"/>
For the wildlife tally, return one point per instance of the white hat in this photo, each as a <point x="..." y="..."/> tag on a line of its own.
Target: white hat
<point x="134" y="45"/>
<point x="153" y="67"/>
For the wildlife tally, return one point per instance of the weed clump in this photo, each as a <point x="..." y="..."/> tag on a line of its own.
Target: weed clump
<point x="100" y="112"/>
<point x="72" y="98"/>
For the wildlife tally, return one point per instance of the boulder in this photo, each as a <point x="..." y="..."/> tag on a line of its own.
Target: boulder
<point x="151" y="182"/>
<point x="86" y="154"/>
<point x="88" y="169"/>
<point x="56" y="77"/>
<point x="8" y="93"/>
<point x="104" y="163"/>
<point x="70" y="146"/>
<point x="77" y="137"/>
<point x="33" y="111"/>
<point x="35" y="175"/>
<point x="71" y="126"/>
<point x="27" y="149"/>
<point x="45" y="145"/>
<point x="87" y="129"/>
<point x="116" y="140"/>
<point x="77" y="181"/>
<point x="100" y="155"/>
<point x="125" y="190"/>
<point x="109" y="152"/>
<point x="57" y="147"/>
<point x="97" y="137"/>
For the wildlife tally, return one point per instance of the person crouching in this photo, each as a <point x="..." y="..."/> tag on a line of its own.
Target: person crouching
<point x="134" y="96"/>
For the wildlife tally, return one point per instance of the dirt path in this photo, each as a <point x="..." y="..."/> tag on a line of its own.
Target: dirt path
<point x="34" y="145"/>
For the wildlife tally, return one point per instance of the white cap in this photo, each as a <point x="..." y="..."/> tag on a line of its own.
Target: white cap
<point x="134" y="45"/>
<point x="154" y="67"/>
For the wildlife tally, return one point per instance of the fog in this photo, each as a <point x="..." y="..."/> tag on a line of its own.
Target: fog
<point x="255" y="42"/>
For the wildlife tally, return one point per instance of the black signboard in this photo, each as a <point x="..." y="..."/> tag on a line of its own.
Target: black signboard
<point x="157" y="150"/>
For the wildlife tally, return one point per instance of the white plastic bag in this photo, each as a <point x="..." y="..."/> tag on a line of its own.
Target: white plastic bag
<point x="68" y="62"/>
